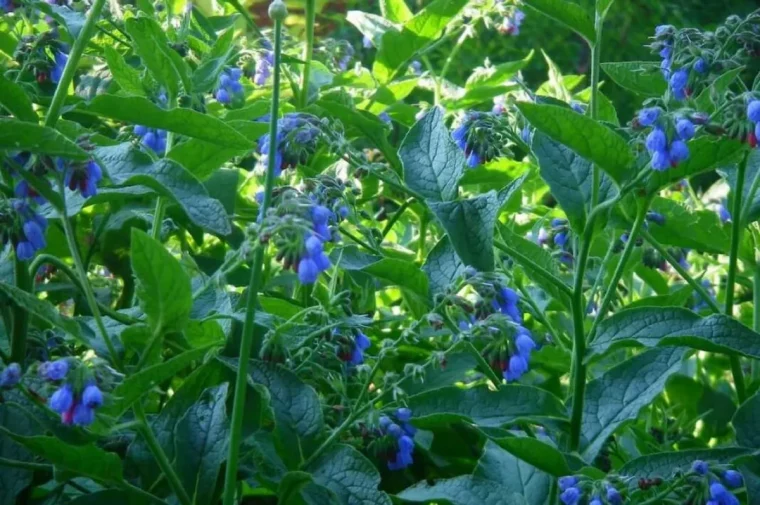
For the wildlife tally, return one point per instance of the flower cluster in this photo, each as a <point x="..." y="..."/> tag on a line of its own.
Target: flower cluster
<point x="23" y="227"/>
<point x="10" y="376"/>
<point x="298" y="135"/>
<point x="399" y="439"/>
<point x="573" y="489"/>
<point x="264" y="62"/>
<point x="666" y="143"/>
<point x="491" y="315"/>
<point x="229" y="85"/>
<point x="351" y="349"/>
<point x="81" y="176"/>
<point x="481" y="136"/>
<point x="59" y="63"/>
<point x="77" y="395"/>
<point x="719" y="478"/>
<point x="753" y="114"/>
<point x="152" y="138"/>
<point x="511" y="23"/>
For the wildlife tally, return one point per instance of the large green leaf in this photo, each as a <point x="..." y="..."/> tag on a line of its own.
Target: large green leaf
<point x="85" y="460"/>
<point x="570" y="179"/>
<point x="668" y="464"/>
<point x="14" y="480"/>
<point x="140" y="110"/>
<point x="617" y="396"/>
<point x="701" y="230"/>
<point x="470" y="227"/>
<point x="397" y="48"/>
<point x="128" y="166"/>
<point x="395" y="10"/>
<point x="704" y="154"/>
<point x="669" y="326"/>
<point x="432" y="162"/>
<point x="442" y="266"/>
<point x="163" y="286"/>
<point x="370" y="25"/>
<point x="643" y="77"/>
<point x="14" y="98"/>
<point x="751" y="191"/>
<point x="588" y="138"/>
<point x="202" y="438"/>
<point x="515" y="475"/>
<point x="539" y="452"/>
<point x="484" y="407"/>
<point x="462" y="490"/>
<point x="746" y="422"/>
<point x="567" y="13"/>
<point x="347" y="473"/>
<point x="496" y="75"/>
<point x="152" y="46"/>
<point x="127" y="77"/>
<point x="16" y="135"/>
<point x="41" y="308"/>
<point x="140" y="383"/>
<point x="206" y="76"/>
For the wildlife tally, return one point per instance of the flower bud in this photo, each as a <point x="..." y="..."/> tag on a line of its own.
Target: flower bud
<point x="278" y="11"/>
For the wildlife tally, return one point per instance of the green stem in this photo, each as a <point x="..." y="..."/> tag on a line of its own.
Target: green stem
<point x="696" y="286"/>
<point x="158" y="218"/>
<point x="452" y="55"/>
<point x="423" y="236"/>
<point x="20" y="315"/>
<point x="308" y="51"/>
<point x="163" y="461"/>
<point x="612" y="287"/>
<point x="596" y="51"/>
<point x="396" y="215"/>
<point x="579" y="338"/>
<point x="250" y="342"/>
<point x="756" y="314"/>
<point x="59" y="98"/>
<point x="736" y="232"/>
<point x="84" y="281"/>
<point x="26" y="465"/>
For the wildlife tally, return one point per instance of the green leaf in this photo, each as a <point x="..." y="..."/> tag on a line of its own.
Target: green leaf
<point x="140" y="383"/>
<point x="642" y="77"/>
<point x="538" y="453"/>
<point x="496" y="75"/>
<point x="201" y="441"/>
<point x="442" y="266"/>
<point x="570" y="179"/>
<point x="457" y="364"/>
<point x="127" y="77"/>
<point x="206" y="76"/>
<point x="370" y="25"/>
<point x="140" y="110"/>
<point x="291" y="486"/>
<point x="395" y="10"/>
<point x="18" y="135"/>
<point x="701" y="230"/>
<point x="672" y="326"/>
<point x="567" y="13"/>
<point x="42" y="309"/>
<point x="432" y="162"/>
<point x="751" y="191"/>
<point x="347" y="473"/>
<point x="85" y="460"/>
<point x="462" y="490"/>
<point x="469" y="225"/>
<point x="484" y="407"/>
<point x="128" y="166"/>
<point x="588" y="138"/>
<point x="14" y="98"/>
<point x="704" y="154"/>
<point x="152" y="46"/>
<point x="14" y="480"/>
<point x="163" y="286"/>
<point x="746" y="422"/>
<point x="709" y="97"/>
<point x="517" y="476"/>
<point x="72" y="20"/>
<point x="397" y="48"/>
<point x="617" y="396"/>
<point x="667" y="464"/>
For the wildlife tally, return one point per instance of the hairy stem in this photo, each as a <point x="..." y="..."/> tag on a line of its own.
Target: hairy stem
<point x="20" y="315"/>
<point x="249" y="342"/>
<point x="308" y="51"/>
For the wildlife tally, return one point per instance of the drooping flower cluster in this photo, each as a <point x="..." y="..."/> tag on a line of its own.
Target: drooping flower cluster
<point x="83" y="177"/>
<point x="23" y="227"/>
<point x="229" y="86"/>
<point x="488" y="311"/>
<point x="511" y="23"/>
<point x="10" y="376"/>
<point x="351" y="348"/>
<point x="152" y="138"/>
<point x="578" y="489"/>
<point x="753" y="114"/>
<point x="298" y="136"/>
<point x="481" y="136"/>
<point x="398" y="442"/>
<point x="716" y="479"/>
<point x="666" y="142"/>
<point x="77" y="396"/>
<point x="264" y="62"/>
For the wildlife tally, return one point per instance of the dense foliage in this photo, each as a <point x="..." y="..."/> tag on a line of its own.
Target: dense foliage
<point x="245" y="264"/>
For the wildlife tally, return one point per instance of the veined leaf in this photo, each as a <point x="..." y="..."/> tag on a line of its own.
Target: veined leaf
<point x="567" y="13"/>
<point x="16" y="135"/>
<point x="642" y="77"/>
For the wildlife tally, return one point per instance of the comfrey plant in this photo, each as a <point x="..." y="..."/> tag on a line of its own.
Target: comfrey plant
<point x="318" y="259"/>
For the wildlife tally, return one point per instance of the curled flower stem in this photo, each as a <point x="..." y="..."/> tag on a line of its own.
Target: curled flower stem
<point x="308" y="51"/>
<point x="59" y="98"/>
<point x="612" y="287"/>
<point x="251" y="339"/>
<point x="84" y="281"/>
<point x="736" y="232"/>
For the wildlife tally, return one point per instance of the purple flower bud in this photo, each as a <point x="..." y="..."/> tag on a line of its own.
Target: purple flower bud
<point x="56" y="370"/>
<point x="222" y="96"/>
<point x="596" y="501"/>
<point x="655" y="217"/>
<point x="648" y="116"/>
<point x="577" y="107"/>
<point x="567" y="481"/>
<point x="24" y="251"/>
<point x="733" y="478"/>
<point x="524" y="344"/>
<point x="685" y="129"/>
<point x="613" y="496"/>
<point x="660" y="161"/>
<point x="656" y="140"/>
<point x="320" y="214"/>
<point x="679" y="151"/>
<point x="570" y="496"/>
<point x="719" y="492"/>
<point x="700" y="65"/>
<point x="700" y="467"/>
<point x="83" y="415"/>
<point x="92" y="397"/>
<point x="518" y="365"/>
<point x="313" y="246"/>
<point x="307" y="271"/>
<point x="473" y="160"/>
<point x="753" y="111"/>
<point x="404" y="414"/>
<point x="322" y="261"/>
<point x="62" y="399"/>
<point x="395" y="430"/>
<point x="679" y="80"/>
<point x="10" y="376"/>
<point x="343" y="211"/>
<point x="60" y="62"/>
<point x="385" y="422"/>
